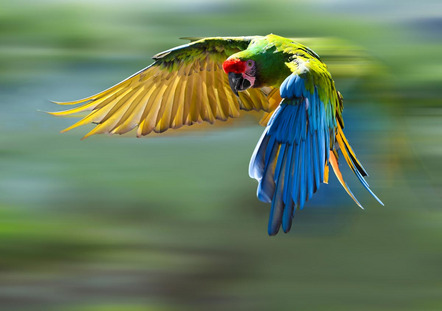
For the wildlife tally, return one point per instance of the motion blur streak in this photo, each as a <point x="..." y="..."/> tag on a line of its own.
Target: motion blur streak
<point x="172" y="223"/>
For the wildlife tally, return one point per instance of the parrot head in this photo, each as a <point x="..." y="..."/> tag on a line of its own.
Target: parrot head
<point x="242" y="74"/>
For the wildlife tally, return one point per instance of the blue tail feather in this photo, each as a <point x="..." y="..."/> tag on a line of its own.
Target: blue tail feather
<point x="302" y="182"/>
<point x="310" y="169"/>
<point x="365" y="184"/>
<point x="296" y="175"/>
<point x="279" y="164"/>
<point x="316" y="160"/>
<point x="277" y="208"/>
<point x="289" y="172"/>
<point x="288" y="216"/>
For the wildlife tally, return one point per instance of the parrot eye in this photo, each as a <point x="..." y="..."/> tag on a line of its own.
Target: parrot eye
<point x="250" y="63"/>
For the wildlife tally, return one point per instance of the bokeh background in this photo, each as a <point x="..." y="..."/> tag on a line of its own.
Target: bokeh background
<point x="171" y="222"/>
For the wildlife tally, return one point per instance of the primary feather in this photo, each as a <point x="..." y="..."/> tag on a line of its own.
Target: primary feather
<point x="187" y="85"/>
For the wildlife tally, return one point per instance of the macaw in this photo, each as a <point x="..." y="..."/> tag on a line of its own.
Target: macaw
<point x="214" y="78"/>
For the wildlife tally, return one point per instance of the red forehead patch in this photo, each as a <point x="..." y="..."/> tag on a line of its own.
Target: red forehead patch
<point x="234" y="65"/>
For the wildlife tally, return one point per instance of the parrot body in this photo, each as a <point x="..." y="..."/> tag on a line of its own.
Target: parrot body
<point x="213" y="79"/>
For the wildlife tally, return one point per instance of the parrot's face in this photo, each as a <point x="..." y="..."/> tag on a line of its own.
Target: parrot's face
<point x="242" y="74"/>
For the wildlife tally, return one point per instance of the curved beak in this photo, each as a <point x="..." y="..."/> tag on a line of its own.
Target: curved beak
<point x="238" y="83"/>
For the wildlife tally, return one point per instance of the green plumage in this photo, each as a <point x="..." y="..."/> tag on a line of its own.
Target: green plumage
<point x="278" y="57"/>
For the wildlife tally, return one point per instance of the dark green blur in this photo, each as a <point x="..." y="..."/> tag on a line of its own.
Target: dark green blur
<point x="171" y="222"/>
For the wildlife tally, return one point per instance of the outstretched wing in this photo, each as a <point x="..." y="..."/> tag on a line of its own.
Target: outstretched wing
<point x="293" y="156"/>
<point x="184" y="85"/>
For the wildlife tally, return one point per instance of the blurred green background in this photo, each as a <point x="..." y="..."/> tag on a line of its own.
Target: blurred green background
<point x="172" y="222"/>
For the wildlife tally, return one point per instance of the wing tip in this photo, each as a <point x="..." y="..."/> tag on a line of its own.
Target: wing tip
<point x="72" y="127"/>
<point x="59" y="103"/>
<point x="74" y="102"/>
<point x="56" y="113"/>
<point x="88" y="135"/>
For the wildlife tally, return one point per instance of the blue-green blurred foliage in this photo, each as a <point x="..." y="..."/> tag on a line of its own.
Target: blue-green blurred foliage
<point x="171" y="222"/>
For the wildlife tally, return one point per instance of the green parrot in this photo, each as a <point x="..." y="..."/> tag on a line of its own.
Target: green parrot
<point x="213" y="79"/>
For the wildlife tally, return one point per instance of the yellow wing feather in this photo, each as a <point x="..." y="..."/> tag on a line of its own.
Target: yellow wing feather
<point x="274" y="98"/>
<point x="179" y="88"/>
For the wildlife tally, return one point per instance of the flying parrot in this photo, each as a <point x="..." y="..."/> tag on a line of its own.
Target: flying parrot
<point x="214" y="78"/>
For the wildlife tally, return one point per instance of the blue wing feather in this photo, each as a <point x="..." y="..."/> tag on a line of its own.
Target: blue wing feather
<point x="258" y="157"/>
<point x="289" y="160"/>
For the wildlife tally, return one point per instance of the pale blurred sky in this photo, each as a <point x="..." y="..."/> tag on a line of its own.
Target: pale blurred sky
<point x="386" y="10"/>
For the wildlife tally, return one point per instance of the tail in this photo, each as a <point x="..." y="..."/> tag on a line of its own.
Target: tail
<point x="353" y="163"/>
